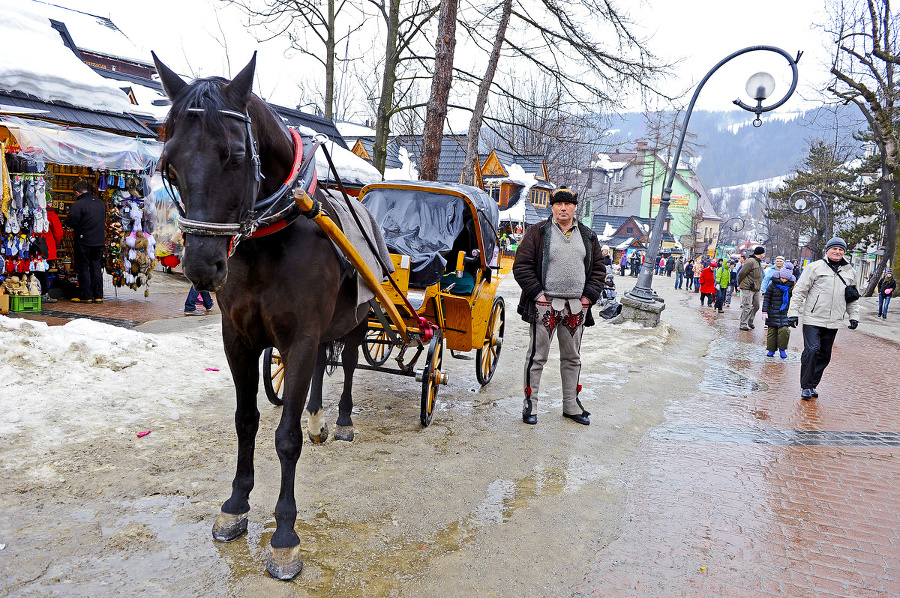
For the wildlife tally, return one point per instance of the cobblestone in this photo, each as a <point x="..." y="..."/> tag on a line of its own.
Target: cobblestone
<point x="746" y="490"/>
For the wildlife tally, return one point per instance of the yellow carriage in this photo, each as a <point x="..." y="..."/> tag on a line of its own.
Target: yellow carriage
<point x="444" y="246"/>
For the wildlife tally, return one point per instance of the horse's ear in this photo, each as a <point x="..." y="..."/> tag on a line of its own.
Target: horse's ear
<point x="241" y="86"/>
<point x="171" y="82"/>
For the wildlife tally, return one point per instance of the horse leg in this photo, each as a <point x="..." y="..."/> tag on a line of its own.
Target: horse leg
<point x="232" y="520"/>
<point x="285" y="562"/>
<point x="318" y="427"/>
<point x="349" y="360"/>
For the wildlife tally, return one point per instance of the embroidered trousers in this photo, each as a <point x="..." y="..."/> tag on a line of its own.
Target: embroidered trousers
<point x="568" y="328"/>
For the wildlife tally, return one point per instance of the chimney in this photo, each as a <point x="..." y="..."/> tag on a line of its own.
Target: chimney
<point x="642" y="145"/>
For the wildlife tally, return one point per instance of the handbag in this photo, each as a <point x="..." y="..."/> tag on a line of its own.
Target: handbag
<point x="851" y="293"/>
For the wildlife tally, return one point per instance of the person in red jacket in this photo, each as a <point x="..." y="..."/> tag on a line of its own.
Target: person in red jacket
<point x="52" y="237"/>
<point x="708" y="283"/>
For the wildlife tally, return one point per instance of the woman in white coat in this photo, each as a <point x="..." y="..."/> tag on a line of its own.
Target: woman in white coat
<point x="819" y="296"/>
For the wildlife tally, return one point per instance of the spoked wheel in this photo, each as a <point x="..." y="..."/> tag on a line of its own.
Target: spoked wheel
<point x="273" y="376"/>
<point x="488" y="354"/>
<point x="377" y="348"/>
<point x="432" y="377"/>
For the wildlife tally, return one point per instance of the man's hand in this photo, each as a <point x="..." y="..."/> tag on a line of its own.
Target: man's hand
<point x="585" y="302"/>
<point x="853" y="324"/>
<point x="792" y="322"/>
<point x="542" y="299"/>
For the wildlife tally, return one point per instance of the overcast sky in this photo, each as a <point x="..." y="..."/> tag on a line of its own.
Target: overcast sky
<point x="701" y="32"/>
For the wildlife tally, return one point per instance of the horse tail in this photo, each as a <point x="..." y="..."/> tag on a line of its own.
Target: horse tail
<point x="333" y="355"/>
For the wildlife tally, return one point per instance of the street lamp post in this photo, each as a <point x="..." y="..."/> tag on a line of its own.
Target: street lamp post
<point x="799" y="206"/>
<point x="735" y="224"/>
<point x="645" y="304"/>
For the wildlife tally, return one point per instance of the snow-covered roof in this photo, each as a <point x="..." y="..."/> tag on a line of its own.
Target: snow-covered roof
<point x="38" y="63"/>
<point x="350" y="130"/>
<point x="352" y="169"/>
<point x="611" y="161"/>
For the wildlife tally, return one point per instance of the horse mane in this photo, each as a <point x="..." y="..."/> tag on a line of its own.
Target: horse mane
<point x="271" y="133"/>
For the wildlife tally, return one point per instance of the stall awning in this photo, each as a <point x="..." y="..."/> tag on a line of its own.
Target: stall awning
<point x="71" y="115"/>
<point x="46" y="142"/>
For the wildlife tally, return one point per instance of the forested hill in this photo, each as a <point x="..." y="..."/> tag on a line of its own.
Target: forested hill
<point x="732" y="152"/>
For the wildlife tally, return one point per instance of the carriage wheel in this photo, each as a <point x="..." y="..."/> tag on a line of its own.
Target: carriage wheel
<point x="377" y="348"/>
<point x="432" y="377"/>
<point x="273" y="376"/>
<point x="488" y="355"/>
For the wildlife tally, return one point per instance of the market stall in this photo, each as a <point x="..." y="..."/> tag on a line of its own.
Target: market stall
<point x="40" y="164"/>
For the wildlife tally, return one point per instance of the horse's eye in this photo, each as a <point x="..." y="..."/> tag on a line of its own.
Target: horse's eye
<point x="171" y="175"/>
<point x="235" y="158"/>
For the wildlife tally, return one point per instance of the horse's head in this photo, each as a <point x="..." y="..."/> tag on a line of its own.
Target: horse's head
<point x="211" y="158"/>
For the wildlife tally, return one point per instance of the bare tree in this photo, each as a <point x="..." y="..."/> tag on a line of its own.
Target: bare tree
<point x="440" y="91"/>
<point x="301" y="20"/>
<point x="865" y="58"/>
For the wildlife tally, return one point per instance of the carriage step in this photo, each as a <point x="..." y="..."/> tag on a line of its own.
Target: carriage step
<point x="463" y="356"/>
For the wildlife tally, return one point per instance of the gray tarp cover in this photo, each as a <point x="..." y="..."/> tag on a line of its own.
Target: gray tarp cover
<point x="425" y="224"/>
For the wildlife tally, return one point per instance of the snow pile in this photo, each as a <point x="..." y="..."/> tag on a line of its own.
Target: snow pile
<point x="78" y="380"/>
<point x="352" y="169"/>
<point x="517" y="174"/>
<point x="38" y="63"/>
<point x="406" y="172"/>
<point x="606" y="162"/>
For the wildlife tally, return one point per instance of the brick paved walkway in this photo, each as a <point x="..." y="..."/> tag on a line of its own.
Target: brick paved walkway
<point x="122" y="307"/>
<point x="746" y="490"/>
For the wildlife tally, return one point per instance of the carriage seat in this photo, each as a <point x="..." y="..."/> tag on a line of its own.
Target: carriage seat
<point x="461" y="286"/>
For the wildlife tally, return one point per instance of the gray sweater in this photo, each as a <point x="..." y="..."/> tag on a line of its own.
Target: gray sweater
<point x="565" y="267"/>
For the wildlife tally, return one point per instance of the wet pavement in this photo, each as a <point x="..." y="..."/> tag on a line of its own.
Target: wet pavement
<point x="743" y="489"/>
<point x="746" y="490"/>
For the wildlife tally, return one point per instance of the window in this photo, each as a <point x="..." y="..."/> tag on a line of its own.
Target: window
<point x="629" y="230"/>
<point x="617" y="200"/>
<point x="620" y="174"/>
<point x="539" y="197"/>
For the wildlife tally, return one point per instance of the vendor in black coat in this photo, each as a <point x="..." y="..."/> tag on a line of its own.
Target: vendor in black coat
<point x="87" y="218"/>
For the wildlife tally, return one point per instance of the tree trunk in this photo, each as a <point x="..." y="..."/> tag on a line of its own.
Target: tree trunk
<point x="388" y="79"/>
<point x="468" y="173"/>
<point x="440" y="91"/>
<point x="329" y="63"/>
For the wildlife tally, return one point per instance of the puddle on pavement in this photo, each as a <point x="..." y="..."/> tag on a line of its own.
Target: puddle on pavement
<point x="723" y="380"/>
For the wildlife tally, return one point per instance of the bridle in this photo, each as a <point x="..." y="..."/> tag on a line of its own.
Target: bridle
<point x="261" y="213"/>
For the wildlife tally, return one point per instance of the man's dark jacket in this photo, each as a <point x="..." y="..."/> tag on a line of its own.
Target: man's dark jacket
<point x="530" y="266"/>
<point x="87" y="217"/>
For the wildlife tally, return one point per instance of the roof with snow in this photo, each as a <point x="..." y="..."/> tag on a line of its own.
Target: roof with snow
<point x="14" y="102"/>
<point x="43" y="66"/>
<point x="615" y="161"/>
<point x="606" y="228"/>
<point x="453" y="155"/>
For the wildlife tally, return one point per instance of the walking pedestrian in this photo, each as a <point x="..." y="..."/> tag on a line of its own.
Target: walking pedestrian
<point x="87" y="218"/>
<point x="561" y="272"/>
<point x="749" y="281"/>
<point x="722" y="279"/>
<point x="776" y="301"/>
<point x="732" y="282"/>
<point x="689" y="276"/>
<point x="190" y="304"/>
<point x="820" y="296"/>
<point x="697" y="271"/>
<point x="679" y="272"/>
<point x="772" y="269"/>
<point x="623" y="263"/>
<point x="707" y="285"/>
<point x="670" y="266"/>
<point x="886" y="287"/>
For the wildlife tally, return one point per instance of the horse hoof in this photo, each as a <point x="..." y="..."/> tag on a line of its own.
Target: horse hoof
<point x="343" y="433"/>
<point x="228" y="527"/>
<point x="321" y="436"/>
<point x="284" y="563"/>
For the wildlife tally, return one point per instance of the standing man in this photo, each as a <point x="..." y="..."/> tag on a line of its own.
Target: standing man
<point x="750" y="281"/>
<point x="679" y="273"/>
<point x="87" y="218"/>
<point x="819" y="296"/>
<point x="559" y="266"/>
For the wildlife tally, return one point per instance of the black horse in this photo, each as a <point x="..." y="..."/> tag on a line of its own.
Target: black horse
<point x="234" y="163"/>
